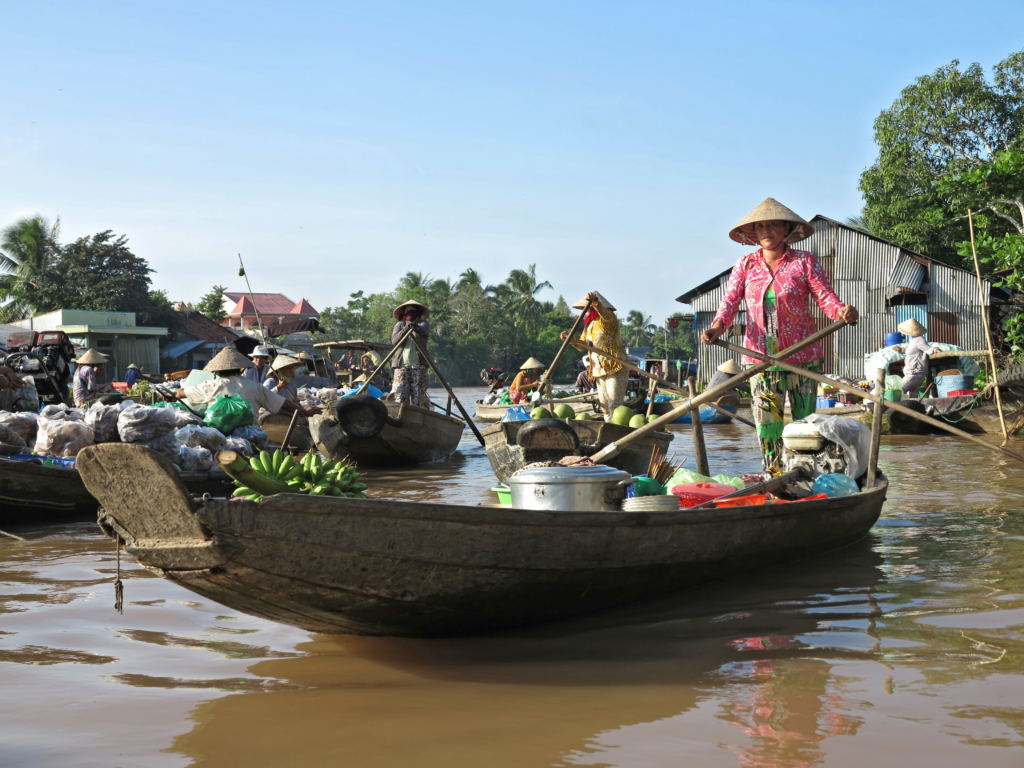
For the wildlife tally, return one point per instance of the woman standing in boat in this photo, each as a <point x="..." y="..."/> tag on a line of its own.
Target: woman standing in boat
<point x="410" y="381"/>
<point x="777" y="282"/>
<point x="601" y="330"/>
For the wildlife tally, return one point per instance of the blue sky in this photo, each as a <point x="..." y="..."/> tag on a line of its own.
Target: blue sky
<point x="337" y="146"/>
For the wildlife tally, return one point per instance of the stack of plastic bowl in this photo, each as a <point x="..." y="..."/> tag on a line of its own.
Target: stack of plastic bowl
<point x="651" y="504"/>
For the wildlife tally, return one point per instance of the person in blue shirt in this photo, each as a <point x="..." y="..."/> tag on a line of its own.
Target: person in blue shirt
<point x="133" y="375"/>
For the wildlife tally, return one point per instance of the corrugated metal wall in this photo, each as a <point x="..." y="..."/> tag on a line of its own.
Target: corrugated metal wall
<point x="866" y="272"/>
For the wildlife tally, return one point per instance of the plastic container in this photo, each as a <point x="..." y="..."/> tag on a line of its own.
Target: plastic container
<point x="504" y="494"/>
<point x="892" y="339"/>
<point x="894" y="395"/>
<point x="946" y="384"/>
<point x="802" y="436"/>
<point x="827" y="402"/>
<point x="692" y="494"/>
<point x="835" y="486"/>
<point x="963" y="392"/>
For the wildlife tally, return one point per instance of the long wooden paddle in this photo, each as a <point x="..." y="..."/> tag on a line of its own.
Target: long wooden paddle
<point x="545" y="378"/>
<point x="709" y="394"/>
<point x="777" y="361"/>
<point x="988" y="331"/>
<point x="384" y="362"/>
<point x="430" y="362"/>
<point x="662" y="383"/>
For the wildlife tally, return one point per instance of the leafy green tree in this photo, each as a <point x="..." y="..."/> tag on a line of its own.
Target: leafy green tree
<point x="26" y="248"/>
<point x="638" y="328"/>
<point x="517" y="296"/>
<point x="212" y="304"/>
<point x="943" y="124"/>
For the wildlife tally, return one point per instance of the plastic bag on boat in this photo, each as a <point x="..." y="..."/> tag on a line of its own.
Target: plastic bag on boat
<point x="63" y="438"/>
<point x="102" y="419"/>
<point x="164" y="444"/>
<point x="25" y="424"/>
<point x="196" y="436"/>
<point x="9" y="437"/>
<point x="516" y="413"/>
<point x="28" y="396"/>
<point x="194" y="459"/>
<point x="239" y="445"/>
<point x="228" y="413"/>
<point x="852" y="435"/>
<point x="834" y="486"/>
<point x="61" y="413"/>
<point x="255" y="436"/>
<point x="184" y="417"/>
<point x="138" y="423"/>
<point x="685" y="477"/>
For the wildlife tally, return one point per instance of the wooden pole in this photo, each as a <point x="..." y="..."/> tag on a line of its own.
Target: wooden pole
<point x="711" y="393"/>
<point x="288" y="434"/>
<point x="700" y="451"/>
<point x="384" y="362"/>
<point x="770" y="361"/>
<point x="650" y="397"/>
<point x="430" y="362"/>
<point x="876" y="432"/>
<point x="662" y="383"/>
<point x="988" y="331"/>
<point x="545" y="378"/>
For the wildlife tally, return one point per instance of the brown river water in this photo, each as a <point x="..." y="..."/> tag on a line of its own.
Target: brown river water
<point x="904" y="649"/>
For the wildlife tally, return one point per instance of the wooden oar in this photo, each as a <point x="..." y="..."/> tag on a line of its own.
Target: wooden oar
<point x="775" y="361"/>
<point x="988" y="331"/>
<point x="663" y="383"/>
<point x="384" y="362"/>
<point x="430" y="362"/>
<point x="709" y="394"/>
<point x="546" y="376"/>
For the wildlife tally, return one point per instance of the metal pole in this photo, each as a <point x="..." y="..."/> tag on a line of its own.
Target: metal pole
<point x="259" y="320"/>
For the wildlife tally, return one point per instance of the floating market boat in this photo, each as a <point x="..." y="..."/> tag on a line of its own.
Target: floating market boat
<point x="493" y="413"/>
<point x="379" y="567"/>
<point x="33" y="492"/>
<point x="511" y="445"/>
<point x="374" y="433"/>
<point x="728" y="403"/>
<point x="276" y="427"/>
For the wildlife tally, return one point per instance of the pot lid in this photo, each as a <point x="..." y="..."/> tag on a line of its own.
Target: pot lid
<point x="599" y="473"/>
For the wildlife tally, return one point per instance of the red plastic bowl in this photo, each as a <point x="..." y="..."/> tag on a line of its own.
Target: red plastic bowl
<point x="692" y="494"/>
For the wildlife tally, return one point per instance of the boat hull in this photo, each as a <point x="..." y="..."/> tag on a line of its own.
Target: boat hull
<point x="507" y="458"/>
<point x="378" y="567"/>
<point x="707" y="415"/>
<point x="276" y="427"/>
<point x="419" y="436"/>
<point x="493" y="413"/>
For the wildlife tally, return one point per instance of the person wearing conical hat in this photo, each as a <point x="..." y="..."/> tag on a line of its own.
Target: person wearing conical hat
<point x="283" y="371"/>
<point x="260" y="368"/>
<point x="725" y="371"/>
<point x="132" y="375"/>
<point x="777" y="283"/>
<point x="525" y="381"/>
<point x="227" y="367"/>
<point x="409" y="366"/>
<point x="916" y="354"/>
<point x="83" y="385"/>
<point x="601" y="329"/>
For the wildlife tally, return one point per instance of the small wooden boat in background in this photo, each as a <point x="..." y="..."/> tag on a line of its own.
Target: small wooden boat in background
<point x="380" y="567"/>
<point x="511" y="445"/>
<point x="493" y="413"/>
<point x="708" y="415"/>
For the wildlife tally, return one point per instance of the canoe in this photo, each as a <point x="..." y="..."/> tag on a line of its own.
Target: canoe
<point x="276" y="427"/>
<point x="31" y="492"/>
<point x="410" y="435"/>
<point x="493" y="413"/>
<point x="507" y="456"/>
<point x="380" y="567"/>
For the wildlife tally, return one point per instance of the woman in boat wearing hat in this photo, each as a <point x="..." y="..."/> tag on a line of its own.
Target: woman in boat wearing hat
<point x="260" y="368"/>
<point x="915" y="356"/>
<point x="227" y="367"/>
<point x="410" y="381"/>
<point x="282" y="372"/>
<point x="777" y="282"/>
<point x="133" y="375"/>
<point x="83" y="385"/>
<point x="525" y="381"/>
<point x="601" y="329"/>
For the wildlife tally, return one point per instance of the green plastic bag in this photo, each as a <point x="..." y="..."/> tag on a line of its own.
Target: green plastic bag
<point x="228" y="413"/>
<point x="504" y="399"/>
<point x="646" y="486"/>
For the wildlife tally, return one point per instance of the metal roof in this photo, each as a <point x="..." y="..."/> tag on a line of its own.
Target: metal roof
<point x="352" y="344"/>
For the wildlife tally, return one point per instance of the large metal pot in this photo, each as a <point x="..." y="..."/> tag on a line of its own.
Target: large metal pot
<point x="570" y="489"/>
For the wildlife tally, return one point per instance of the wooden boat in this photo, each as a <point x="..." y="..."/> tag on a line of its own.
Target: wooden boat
<point x="379" y="567"/>
<point x="391" y="434"/>
<point x="508" y="452"/>
<point x="33" y="492"/>
<point x="728" y="403"/>
<point x="493" y="413"/>
<point x="276" y="427"/>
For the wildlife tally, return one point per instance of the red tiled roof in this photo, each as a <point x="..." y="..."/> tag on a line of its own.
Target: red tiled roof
<point x="266" y="303"/>
<point x="304" y="308"/>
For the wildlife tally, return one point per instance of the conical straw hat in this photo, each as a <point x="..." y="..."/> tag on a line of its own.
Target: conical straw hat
<point x="228" y="359"/>
<point x="424" y="309"/>
<point x="283" y="361"/>
<point x="601" y="300"/>
<point x="533" y="363"/>
<point x="133" y="365"/>
<point x="91" y="357"/>
<point x="729" y="367"/>
<point x="770" y="210"/>
<point x="912" y="328"/>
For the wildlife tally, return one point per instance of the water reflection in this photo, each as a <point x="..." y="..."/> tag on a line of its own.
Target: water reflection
<point x="907" y="643"/>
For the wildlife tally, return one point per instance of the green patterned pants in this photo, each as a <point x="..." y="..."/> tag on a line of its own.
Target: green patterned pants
<point x="768" y="403"/>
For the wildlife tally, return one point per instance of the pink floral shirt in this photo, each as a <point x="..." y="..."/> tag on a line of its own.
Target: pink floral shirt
<point x="797" y="277"/>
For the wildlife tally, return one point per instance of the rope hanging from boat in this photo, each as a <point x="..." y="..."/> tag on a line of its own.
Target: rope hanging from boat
<point x="118" y="585"/>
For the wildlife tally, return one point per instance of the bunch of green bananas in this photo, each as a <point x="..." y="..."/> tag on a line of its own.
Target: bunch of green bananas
<point x="311" y="475"/>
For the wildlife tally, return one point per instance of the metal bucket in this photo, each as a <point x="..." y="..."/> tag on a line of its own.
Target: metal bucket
<point x="570" y="489"/>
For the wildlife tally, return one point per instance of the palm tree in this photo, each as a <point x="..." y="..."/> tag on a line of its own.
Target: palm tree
<point x="469" y="277"/>
<point x="639" y="327"/>
<point x="858" y="222"/>
<point x="26" y="248"/>
<point x="518" y="297"/>
<point x="414" y="281"/>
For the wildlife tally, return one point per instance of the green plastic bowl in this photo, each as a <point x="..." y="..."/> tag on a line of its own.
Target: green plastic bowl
<point x="504" y="494"/>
